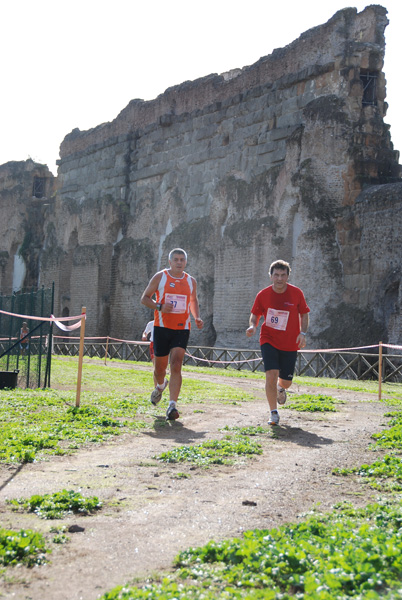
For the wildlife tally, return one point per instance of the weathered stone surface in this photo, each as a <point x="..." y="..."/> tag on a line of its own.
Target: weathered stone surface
<point x="27" y="190"/>
<point x="281" y="159"/>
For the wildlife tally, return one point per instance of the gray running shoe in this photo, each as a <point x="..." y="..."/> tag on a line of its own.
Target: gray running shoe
<point x="274" y="418"/>
<point x="172" y="413"/>
<point x="157" y="393"/>
<point x="281" y="396"/>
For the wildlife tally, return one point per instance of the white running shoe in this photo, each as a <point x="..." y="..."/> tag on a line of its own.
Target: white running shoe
<point x="157" y="393"/>
<point x="281" y="396"/>
<point x="274" y="418"/>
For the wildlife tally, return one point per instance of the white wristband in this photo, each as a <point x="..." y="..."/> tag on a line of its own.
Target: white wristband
<point x="303" y="333"/>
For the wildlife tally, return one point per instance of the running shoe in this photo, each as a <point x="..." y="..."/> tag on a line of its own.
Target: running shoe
<point x="172" y="413"/>
<point x="157" y="393"/>
<point x="281" y="396"/>
<point x="274" y="418"/>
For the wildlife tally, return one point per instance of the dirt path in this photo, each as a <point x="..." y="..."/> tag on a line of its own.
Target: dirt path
<point x="150" y="513"/>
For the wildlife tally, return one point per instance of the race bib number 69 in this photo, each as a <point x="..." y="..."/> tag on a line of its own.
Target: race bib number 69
<point x="277" y="319"/>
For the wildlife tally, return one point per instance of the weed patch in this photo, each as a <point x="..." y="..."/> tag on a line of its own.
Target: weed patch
<point x="384" y="474"/>
<point x="22" y="547"/>
<point x="218" y="452"/>
<point x="392" y="437"/>
<point x="57" y="505"/>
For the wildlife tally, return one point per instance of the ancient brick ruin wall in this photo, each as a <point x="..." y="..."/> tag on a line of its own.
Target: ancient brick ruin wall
<point x="240" y="169"/>
<point x="26" y="190"/>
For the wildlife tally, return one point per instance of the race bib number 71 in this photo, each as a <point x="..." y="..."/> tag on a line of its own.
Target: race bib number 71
<point x="277" y="319"/>
<point x="179" y="302"/>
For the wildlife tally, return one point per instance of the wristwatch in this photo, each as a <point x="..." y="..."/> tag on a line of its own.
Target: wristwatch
<point x="159" y="306"/>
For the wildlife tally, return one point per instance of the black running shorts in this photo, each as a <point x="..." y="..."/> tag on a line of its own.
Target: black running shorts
<point x="165" y="339"/>
<point x="279" y="360"/>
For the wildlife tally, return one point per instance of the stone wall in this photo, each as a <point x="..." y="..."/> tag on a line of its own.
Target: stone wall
<point x="26" y="190"/>
<point x="265" y="162"/>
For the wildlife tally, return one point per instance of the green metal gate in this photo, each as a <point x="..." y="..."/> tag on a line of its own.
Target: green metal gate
<point x="27" y="355"/>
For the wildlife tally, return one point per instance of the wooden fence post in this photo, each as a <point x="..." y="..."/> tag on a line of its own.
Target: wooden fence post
<point x="80" y="356"/>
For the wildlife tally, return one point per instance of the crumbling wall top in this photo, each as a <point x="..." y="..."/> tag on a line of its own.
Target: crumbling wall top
<point x="346" y="36"/>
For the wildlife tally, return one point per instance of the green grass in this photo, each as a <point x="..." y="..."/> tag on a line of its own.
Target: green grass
<point x="114" y="400"/>
<point x="313" y="403"/>
<point x="353" y="553"/>
<point x="252" y="430"/>
<point x="389" y="390"/>
<point x="58" y="504"/>
<point x="36" y="423"/>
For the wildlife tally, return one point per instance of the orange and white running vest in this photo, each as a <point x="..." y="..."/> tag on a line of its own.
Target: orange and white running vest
<point x="177" y="292"/>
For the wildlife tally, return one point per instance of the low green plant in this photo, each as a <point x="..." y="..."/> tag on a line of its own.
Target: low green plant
<point x="57" y="505"/>
<point x="218" y="452"/>
<point x="59" y="535"/>
<point x="22" y="547"/>
<point x="353" y="553"/>
<point x="313" y="403"/>
<point x="384" y="474"/>
<point x="391" y="437"/>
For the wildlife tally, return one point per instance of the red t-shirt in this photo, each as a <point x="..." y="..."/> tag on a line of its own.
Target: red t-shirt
<point x="281" y="314"/>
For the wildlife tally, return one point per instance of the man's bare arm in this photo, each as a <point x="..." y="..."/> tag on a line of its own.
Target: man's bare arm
<point x="253" y="322"/>
<point x="301" y="338"/>
<point x="195" y="307"/>
<point x="146" y="298"/>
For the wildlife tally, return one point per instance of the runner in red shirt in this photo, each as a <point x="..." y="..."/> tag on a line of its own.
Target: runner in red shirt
<point x="175" y="298"/>
<point x="283" y="332"/>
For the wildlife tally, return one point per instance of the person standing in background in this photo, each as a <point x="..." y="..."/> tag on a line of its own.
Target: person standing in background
<point x="148" y="335"/>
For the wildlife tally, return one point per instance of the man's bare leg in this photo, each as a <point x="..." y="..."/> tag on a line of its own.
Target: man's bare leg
<point x="160" y="366"/>
<point x="271" y="383"/>
<point x="176" y="363"/>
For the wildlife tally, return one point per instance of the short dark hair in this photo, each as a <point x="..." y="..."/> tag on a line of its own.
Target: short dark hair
<point x="177" y="251"/>
<point x="282" y="265"/>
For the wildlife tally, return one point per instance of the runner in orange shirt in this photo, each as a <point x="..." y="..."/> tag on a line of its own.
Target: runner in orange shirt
<point x="176" y="297"/>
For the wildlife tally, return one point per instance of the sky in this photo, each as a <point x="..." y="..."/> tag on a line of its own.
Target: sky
<point x="78" y="63"/>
